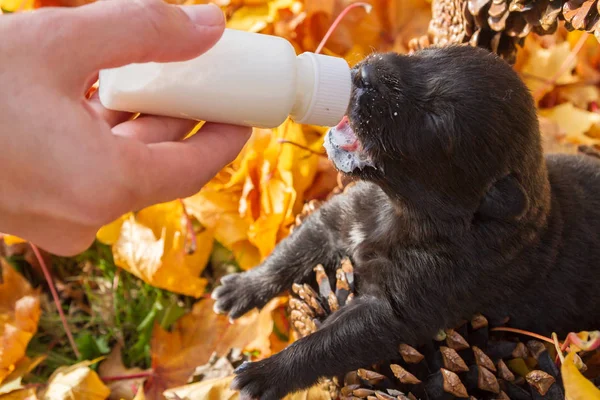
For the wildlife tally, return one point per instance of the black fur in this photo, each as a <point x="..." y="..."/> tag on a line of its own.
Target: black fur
<point x="461" y="214"/>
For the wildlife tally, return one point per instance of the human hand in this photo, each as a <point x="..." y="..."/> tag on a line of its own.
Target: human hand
<point x="68" y="165"/>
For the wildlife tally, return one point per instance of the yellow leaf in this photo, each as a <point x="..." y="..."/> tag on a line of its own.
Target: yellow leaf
<point x="263" y="233"/>
<point x="19" y="316"/>
<point x="283" y="333"/>
<point x="574" y="122"/>
<point x="264" y="327"/>
<point x="219" y="389"/>
<point x="544" y="64"/>
<point x="22" y="367"/>
<point x="256" y="15"/>
<point x="109" y="234"/>
<point x="75" y="382"/>
<point x="151" y="246"/>
<point x="252" y="19"/>
<point x="210" y="389"/>
<point x="16" y="5"/>
<point x="246" y="254"/>
<point x="23" y="394"/>
<point x="314" y="393"/>
<point x="140" y="394"/>
<point x="218" y="210"/>
<point x="125" y="389"/>
<point x="195" y="336"/>
<point x="252" y="203"/>
<point x="577" y="387"/>
<point x="12" y="240"/>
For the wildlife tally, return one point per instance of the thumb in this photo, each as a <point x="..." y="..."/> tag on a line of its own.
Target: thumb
<point x="119" y="32"/>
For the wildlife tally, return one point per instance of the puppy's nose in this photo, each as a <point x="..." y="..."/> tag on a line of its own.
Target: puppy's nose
<point x="361" y="75"/>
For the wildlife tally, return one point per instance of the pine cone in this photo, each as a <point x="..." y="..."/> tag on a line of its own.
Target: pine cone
<point x="470" y="361"/>
<point x="501" y="25"/>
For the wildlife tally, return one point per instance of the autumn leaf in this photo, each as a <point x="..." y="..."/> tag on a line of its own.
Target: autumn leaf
<point x="16" y="5"/>
<point x="109" y="234"/>
<point x="219" y="389"/>
<point x="19" y="316"/>
<point x="252" y="204"/>
<point x="121" y="389"/>
<point x="151" y="245"/>
<point x="211" y="389"/>
<point x="573" y="122"/>
<point x="577" y="387"/>
<point x="11" y="240"/>
<point x="22" y="394"/>
<point x="584" y="340"/>
<point x="13" y="381"/>
<point x="545" y="64"/>
<point x="77" y="381"/>
<point x="195" y="336"/>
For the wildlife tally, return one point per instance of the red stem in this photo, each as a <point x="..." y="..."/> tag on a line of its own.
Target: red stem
<point x="337" y="21"/>
<point x="522" y="332"/>
<point x="48" y="277"/>
<point x="146" y="374"/>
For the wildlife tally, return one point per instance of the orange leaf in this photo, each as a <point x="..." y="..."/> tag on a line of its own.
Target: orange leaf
<point x="125" y="389"/>
<point x="545" y="64"/>
<point x="195" y="336"/>
<point x="77" y="381"/>
<point x="22" y="394"/>
<point x="218" y="389"/>
<point x="19" y="316"/>
<point x="574" y="122"/>
<point x="12" y="240"/>
<point x="24" y="366"/>
<point x="151" y="246"/>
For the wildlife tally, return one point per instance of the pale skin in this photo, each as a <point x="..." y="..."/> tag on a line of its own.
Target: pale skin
<point x="68" y="165"/>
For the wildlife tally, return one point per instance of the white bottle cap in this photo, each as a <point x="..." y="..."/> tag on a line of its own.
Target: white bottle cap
<point x="331" y="92"/>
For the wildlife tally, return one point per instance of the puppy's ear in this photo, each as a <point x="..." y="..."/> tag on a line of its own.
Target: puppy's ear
<point x="505" y="199"/>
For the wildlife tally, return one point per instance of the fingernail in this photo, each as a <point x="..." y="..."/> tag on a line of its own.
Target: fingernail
<point x="205" y="14"/>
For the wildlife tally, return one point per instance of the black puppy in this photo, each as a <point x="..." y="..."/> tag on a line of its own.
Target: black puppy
<point x="456" y="212"/>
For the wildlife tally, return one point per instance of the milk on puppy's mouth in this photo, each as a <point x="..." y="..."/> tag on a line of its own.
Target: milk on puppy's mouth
<point x="344" y="148"/>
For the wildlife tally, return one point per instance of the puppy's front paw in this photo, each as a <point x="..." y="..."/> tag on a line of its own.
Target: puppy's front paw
<point x="259" y="381"/>
<point x="238" y="294"/>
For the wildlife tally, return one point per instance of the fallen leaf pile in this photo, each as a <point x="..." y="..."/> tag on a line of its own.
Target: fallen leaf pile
<point x="19" y="315"/>
<point x="138" y="302"/>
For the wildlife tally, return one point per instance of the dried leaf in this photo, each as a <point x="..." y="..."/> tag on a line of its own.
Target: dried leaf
<point x="251" y="204"/>
<point x="140" y="394"/>
<point x="19" y="316"/>
<point x="195" y="336"/>
<point x="218" y="389"/>
<point x="212" y="389"/>
<point x="540" y="380"/>
<point x="75" y="382"/>
<point x="544" y="64"/>
<point x="23" y="394"/>
<point x="573" y="122"/>
<point x="151" y="246"/>
<point x="22" y="368"/>
<point x="577" y="387"/>
<point x="584" y="340"/>
<point x="123" y="389"/>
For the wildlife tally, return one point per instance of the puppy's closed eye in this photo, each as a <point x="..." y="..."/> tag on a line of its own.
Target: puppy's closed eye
<point x="505" y="199"/>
